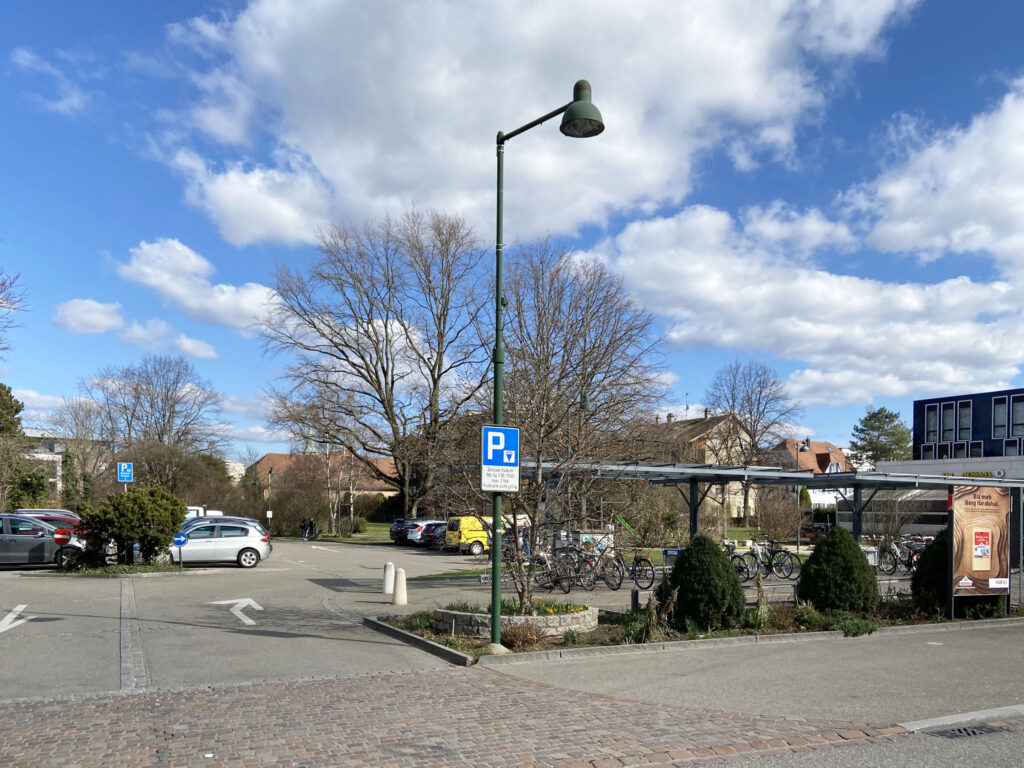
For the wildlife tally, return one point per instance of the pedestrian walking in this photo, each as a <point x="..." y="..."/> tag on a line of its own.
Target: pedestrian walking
<point x="303" y="528"/>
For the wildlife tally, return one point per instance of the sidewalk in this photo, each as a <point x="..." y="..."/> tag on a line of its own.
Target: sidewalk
<point x="477" y="718"/>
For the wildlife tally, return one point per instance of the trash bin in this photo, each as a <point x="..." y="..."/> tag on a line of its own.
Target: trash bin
<point x="670" y="556"/>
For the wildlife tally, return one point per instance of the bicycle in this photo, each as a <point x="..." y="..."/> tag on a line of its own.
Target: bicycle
<point x="901" y="554"/>
<point x="736" y="560"/>
<point x="605" y="565"/>
<point x="769" y="557"/>
<point x="641" y="570"/>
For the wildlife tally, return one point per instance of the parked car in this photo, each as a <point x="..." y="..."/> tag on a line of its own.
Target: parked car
<point x="414" y="531"/>
<point x="59" y="518"/>
<point x="402" y="533"/>
<point x="395" y="525"/>
<point x="468" y="533"/>
<point x="25" y="540"/>
<point x="192" y="522"/>
<point x="216" y="541"/>
<point x="191" y="512"/>
<point x="433" y="535"/>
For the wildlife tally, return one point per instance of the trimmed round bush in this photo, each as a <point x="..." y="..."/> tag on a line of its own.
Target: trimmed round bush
<point x="838" y="577"/>
<point x="709" y="594"/>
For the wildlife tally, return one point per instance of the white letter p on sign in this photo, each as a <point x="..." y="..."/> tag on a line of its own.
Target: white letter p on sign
<point x="495" y="443"/>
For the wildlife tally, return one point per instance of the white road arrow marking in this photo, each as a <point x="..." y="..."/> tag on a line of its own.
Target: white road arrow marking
<point x="245" y="602"/>
<point x="11" y="620"/>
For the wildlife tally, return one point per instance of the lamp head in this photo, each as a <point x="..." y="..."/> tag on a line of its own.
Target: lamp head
<point x="582" y="119"/>
<point x="585" y="405"/>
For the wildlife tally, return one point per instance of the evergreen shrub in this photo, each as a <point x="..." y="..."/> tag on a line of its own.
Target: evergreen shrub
<point x="838" y="577"/>
<point x="709" y="592"/>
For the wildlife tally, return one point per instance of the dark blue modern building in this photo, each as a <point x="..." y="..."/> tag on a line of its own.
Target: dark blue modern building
<point x="969" y="426"/>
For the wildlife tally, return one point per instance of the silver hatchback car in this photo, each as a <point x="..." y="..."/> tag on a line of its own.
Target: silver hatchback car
<point x="215" y="541"/>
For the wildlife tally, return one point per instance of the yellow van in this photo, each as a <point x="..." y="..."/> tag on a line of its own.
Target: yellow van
<point x="468" y="534"/>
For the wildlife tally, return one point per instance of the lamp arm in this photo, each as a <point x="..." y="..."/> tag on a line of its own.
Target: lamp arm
<point x="503" y="137"/>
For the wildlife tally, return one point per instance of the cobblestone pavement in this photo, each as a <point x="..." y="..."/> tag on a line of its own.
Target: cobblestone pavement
<point x="450" y="718"/>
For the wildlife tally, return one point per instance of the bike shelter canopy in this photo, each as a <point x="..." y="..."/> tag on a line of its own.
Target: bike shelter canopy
<point x="851" y="485"/>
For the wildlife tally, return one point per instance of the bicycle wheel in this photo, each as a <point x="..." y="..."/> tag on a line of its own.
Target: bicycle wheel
<point x="740" y="566"/>
<point x="886" y="563"/>
<point x="612" y="574"/>
<point x="797" y="565"/>
<point x="782" y="564"/>
<point x="643" y="574"/>
<point x="752" y="564"/>
<point x="904" y="562"/>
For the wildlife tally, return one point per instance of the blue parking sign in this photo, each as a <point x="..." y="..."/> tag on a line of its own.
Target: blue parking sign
<point x="499" y="459"/>
<point x="124" y="472"/>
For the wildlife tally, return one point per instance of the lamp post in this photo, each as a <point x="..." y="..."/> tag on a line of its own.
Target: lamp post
<point x="270" y="491"/>
<point x="580" y="119"/>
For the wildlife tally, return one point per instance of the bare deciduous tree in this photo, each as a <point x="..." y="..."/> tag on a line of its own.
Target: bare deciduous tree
<point x="163" y="400"/>
<point x="12" y="300"/>
<point x="574" y="335"/>
<point x="382" y="332"/>
<point x="80" y="424"/>
<point x="890" y="514"/>
<point x="778" y="512"/>
<point x="764" y="415"/>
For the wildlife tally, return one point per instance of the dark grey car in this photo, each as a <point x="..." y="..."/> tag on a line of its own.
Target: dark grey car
<point x="28" y="540"/>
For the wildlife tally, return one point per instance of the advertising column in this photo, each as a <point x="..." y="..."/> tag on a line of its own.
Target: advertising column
<point x="981" y="541"/>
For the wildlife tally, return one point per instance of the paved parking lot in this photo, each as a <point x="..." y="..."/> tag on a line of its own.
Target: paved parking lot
<point x="271" y="666"/>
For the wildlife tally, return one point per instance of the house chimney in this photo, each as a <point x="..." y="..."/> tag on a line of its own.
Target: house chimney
<point x="669" y="417"/>
<point x="707" y="413"/>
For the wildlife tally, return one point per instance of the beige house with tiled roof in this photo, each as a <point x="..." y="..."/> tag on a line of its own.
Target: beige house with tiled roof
<point x="704" y="440"/>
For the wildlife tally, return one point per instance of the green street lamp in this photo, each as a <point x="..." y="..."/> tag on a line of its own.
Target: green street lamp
<point x="581" y="120"/>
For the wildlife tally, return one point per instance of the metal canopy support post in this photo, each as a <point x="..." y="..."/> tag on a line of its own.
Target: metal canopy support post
<point x="858" y="505"/>
<point x="693" y="500"/>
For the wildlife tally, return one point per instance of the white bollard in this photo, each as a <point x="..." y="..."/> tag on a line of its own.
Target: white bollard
<point x="399" y="596"/>
<point x="389" y="578"/>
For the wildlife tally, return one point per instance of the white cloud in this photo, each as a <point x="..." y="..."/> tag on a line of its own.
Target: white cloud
<point x="255" y="434"/>
<point x="781" y="226"/>
<point x="150" y="337"/>
<point x="70" y="99"/>
<point x="371" y="112"/>
<point x="960" y="190"/>
<point x="858" y="338"/>
<point x="250" y="205"/>
<point x="35" y="401"/>
<point x="194" y="347"/>
<point x="253" y="407"/>
<point x="180" y="275"/>
<point x="80" y="316"/>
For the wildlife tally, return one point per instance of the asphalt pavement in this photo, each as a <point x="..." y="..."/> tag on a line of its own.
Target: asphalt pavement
<point x="272" y="666"/>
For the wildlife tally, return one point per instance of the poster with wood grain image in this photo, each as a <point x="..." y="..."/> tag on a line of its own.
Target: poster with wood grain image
<point x="981" y="548"/>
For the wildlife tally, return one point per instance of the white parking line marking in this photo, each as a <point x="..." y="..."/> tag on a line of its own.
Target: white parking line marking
<point x="238" y="605"/>
<point x="11" y="620"/>
<point x="325" y="549"/>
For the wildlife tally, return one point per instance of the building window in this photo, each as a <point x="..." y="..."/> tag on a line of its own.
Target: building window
<point x="1011" y="448"/>
<point x="948" y="410"/>
<point x="960" y="451"/>
<point x="976" y="449"/>
<point x="931" y="420"/>
<point x="998" y="417"/>
<point x="1017" y="416"/>
<point x="943" y="451"/>
<point x="927" y="452"/>
<point x="963" y="424"/>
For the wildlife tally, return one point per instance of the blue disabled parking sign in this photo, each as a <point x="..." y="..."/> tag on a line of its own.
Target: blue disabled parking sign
<point x="499" y="459"/>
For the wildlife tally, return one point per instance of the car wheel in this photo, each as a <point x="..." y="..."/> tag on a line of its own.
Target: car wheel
<point x="248" y="558"/>
<point x="66" y="558"/>
<point x="476" y="549"/>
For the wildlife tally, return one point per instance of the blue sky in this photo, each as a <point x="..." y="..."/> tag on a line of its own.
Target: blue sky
<point x="834" y="188"/>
